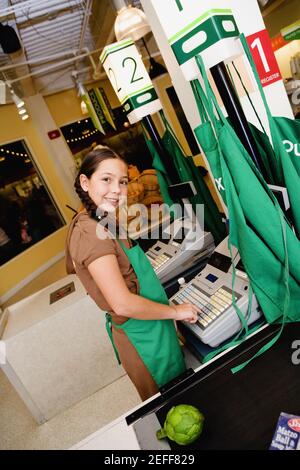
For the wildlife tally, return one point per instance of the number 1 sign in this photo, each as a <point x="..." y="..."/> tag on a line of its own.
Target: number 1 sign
<point x="130" y="80"/>
<point x="264" y="58"/>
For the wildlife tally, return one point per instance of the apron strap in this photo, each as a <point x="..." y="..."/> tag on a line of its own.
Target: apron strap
<point x="109" y="332"/>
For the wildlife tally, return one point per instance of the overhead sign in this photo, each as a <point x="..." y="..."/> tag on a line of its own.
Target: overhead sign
<point x="192" y="27"/>
<point x="261" y="49"/>
<point x="94" y="109"/>
<point x="292" y="31"/>
<point x="105" y="105"/>
<point x="130" y="80"/>
<point x="278" y="42"/>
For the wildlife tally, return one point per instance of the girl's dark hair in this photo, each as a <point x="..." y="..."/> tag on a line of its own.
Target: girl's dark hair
<point x="89" y="165"/>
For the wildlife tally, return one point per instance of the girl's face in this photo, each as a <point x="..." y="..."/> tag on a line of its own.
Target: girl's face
<point x="107" y="186"/>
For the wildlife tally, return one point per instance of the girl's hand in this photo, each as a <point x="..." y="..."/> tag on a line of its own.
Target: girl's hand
<point x="186" y="312"/>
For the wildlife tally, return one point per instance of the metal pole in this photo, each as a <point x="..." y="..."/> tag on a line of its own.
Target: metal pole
<point x="236" y="114"/>
<point x="164" y="155"/>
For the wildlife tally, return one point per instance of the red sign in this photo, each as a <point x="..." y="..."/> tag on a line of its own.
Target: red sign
<point x="278" y="42"/>
<point x="264" y="58"/>
<point x="54" y="134"/>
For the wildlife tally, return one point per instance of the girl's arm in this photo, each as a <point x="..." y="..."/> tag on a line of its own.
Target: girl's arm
<point x="107" y="275"/>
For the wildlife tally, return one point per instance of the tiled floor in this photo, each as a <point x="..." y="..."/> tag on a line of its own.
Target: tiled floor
<point x="19" y="430"/>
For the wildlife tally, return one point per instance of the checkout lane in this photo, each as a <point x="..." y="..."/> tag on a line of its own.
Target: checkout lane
<point x="241" y="410"/>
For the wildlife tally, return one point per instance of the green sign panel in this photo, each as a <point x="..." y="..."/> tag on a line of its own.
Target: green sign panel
<point x="200" y="36"/>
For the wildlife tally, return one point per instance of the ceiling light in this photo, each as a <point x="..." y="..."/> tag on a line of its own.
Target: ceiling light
<point x="81" y="89"/>
<point x="25" y="116"/>
<point x="83" y="106"/>
<point x="156" y="69"/>
<point x="18" y="101"/>
<point x="131" y="23"/>
<point x="22" y="111"/>
<point x="9" y="40"/>
<point x="263" y="2"/>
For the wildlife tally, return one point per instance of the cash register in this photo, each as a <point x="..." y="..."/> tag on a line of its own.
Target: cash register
<point x="212" y="290"/>
<point x="184" y="243"/>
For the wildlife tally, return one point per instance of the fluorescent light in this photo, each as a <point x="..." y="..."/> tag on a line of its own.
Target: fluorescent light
<point x="22" y="111"/>
<point x="25" y="116"/>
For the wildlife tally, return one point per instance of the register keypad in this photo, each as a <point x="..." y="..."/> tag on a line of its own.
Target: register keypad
<point x="159" y="260"/>
<point x="210" y="308"/>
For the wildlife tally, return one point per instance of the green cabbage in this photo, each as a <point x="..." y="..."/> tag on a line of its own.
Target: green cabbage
<point x="183" y="424"/>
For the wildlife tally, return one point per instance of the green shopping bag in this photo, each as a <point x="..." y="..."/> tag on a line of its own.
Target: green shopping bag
<point x="187" y="171"/>
<point x="286" y="163"/>
<point x="207" y="138"/>
<point x="289" y="131"/>
<point x="162" y="175"/>
<point x="268" y="247"/>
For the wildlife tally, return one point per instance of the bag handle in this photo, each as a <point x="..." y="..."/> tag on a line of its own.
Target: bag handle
<point x="277" y="143"/>
<point x="210" y="98"/>
<point x="249" y="98"/>
<point x="256" y="76"/>
<point x="170" y="130"/>
<point x="199" y="96"/>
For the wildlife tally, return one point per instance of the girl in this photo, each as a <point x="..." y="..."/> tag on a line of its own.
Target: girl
<point x="118" y="276"/>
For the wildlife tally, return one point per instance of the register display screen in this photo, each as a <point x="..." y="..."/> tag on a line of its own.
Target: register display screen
<point x="212" y="278"/>
<point x="220" y="261"/>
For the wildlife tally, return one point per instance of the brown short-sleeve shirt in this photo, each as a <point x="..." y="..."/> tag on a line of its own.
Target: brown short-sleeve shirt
<point x="87" y="241"/>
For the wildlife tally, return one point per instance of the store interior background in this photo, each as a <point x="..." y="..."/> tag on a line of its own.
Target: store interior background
<point x="36" y="171"/>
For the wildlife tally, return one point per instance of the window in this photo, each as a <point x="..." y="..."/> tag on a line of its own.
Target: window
<point x="27" y="212"/>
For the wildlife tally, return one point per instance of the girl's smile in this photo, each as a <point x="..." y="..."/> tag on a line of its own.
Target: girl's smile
<point x="107" y="186"/>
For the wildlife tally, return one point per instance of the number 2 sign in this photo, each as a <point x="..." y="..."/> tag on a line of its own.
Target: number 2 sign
<point x="130" y="80"/>
<point x="261" y="49"/>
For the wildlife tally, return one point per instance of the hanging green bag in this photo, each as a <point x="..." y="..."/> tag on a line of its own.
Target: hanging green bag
<point x="268" y="247"/>
<point x="289" y="131"/>
<point x="162" y="175"/>
<point x="284" y="132"/>
<point x="187" y="171"/>
<point x="206" y="136"/>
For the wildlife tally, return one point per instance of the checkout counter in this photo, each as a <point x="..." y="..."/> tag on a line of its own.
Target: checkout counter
<point x="241" y="410"/>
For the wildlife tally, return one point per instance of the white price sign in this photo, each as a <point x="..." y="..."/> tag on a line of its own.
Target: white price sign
<point x="130" y="80"/>
<point x="205" y="27"/>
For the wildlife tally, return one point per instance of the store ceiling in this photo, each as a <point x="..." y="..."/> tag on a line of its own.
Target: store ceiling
<point x="51" y="33"/>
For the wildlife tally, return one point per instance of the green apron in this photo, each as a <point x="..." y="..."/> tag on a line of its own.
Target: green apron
<point x="155" y="341"/>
